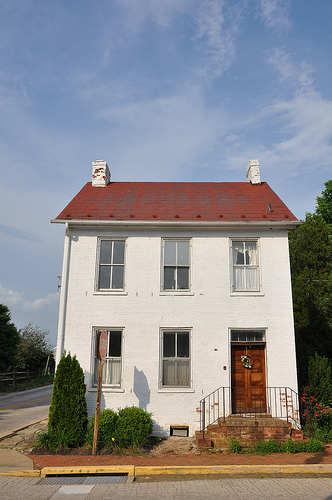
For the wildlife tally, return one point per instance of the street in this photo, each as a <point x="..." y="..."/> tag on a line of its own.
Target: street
<point x="15" y="488"/>
<point x="20" y="409"/>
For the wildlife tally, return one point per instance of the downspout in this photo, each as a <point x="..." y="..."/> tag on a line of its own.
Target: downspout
<point x="63" y="296"/>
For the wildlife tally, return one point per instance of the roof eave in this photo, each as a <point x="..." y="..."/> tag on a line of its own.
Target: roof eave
<point x="289" y="224"/>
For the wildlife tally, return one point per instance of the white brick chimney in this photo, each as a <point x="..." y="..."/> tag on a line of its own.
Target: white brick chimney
<point x="253" y="174"/>
<point x="100" y="173"/>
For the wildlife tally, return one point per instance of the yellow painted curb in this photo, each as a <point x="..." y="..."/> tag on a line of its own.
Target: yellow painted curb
<point x="306" y="469"/>
<point x="234" y="469"/>
<point x="21" y="473"/>
<point x="132" y="470"/>
<point x="111" y="469"/>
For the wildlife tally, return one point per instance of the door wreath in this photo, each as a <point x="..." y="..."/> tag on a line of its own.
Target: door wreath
<point x="247" y="361"/>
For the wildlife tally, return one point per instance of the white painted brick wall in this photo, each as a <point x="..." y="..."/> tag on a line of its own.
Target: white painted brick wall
<point x="210" y="311"/>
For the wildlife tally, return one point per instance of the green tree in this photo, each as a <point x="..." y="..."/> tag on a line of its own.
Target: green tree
<point x="311" y="271"/>
<point x="320" y="380"/>
<point x="9" y="339"/>
<point x="34" y="349"/>
<point x="68" y="410"/>
<point x="324" y="203"/>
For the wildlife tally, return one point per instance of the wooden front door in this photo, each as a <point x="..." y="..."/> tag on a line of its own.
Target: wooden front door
<point x="248" y="383"/>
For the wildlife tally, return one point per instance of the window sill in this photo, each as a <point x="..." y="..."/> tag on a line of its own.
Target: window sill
<point x="109" y="292"/>
<point x="107" y="389"/>
<point x="175" y="389"/>
<point x="176" y="292"/>
<point x="247" y="293"/>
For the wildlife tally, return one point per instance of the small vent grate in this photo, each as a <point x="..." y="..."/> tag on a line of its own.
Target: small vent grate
<point x="85" y="479"/>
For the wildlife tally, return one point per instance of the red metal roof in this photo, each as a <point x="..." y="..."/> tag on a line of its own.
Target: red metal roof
<point x="183" y="201"/>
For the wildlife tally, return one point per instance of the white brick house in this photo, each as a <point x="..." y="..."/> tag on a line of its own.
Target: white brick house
<point x="186" y="278"/>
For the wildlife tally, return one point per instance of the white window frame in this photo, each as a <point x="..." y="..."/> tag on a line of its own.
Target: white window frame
<point x="175" y="387"/>
<point x="107" y="368"/>
<point x="246" y="267"/>
<point x="98" y="264"/>
<point x="177" y="266"/>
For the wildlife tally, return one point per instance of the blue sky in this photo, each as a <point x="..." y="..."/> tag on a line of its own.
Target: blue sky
<point x="172" y="90"/>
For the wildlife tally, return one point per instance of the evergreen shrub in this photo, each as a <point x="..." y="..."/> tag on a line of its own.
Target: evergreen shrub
<point x="68" y="410"/>
<point x="320" y="379"/>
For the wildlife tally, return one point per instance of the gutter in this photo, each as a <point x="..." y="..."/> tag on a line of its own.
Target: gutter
<point x="289" y="224"/>
<point x="63" y="296"/>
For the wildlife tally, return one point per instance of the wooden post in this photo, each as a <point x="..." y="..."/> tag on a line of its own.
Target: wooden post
<point x="102" y="344"/>
<point x="95" y="433"/>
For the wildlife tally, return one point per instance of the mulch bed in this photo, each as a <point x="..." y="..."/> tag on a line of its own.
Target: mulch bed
<point x="203" y="458"/>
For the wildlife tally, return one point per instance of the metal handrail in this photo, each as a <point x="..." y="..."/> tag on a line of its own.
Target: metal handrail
<point x="279" y="402"/>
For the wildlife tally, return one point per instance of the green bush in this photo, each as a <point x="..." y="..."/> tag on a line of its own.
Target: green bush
<point x="68" y="411"/>
<point x="320" y="379"/>
<point x="267" y="447"/>
<point x="317" y="418"/>
<point x="314" y="446"/>
<point x="234" y="446"/>
<point x="106" y="429"/>
<point x="133" y="427"/>
<point x="129" y="428"/>
<point x="54" y="440"/>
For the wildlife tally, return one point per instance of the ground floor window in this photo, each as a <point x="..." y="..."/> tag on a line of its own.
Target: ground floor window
<point x="175" y="369"/>
<point x="112" y="368"/>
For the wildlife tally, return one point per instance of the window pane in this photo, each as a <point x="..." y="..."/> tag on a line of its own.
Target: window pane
<point x="169" y="345"/>
<point x="259" y="336"/>
<point x="234" y="336"/>
<point x="117" y="277"/>
<point x="115" y="344"/>
<point x="238" y="253"/>
<point x="183" y="253"/>
<point x="104" y="276"/>
<point x="250" y="336"/>
<point x="112" y="372"/>
<point x="238" y="278"/>
<point x="183" y="345"/>
<point x="183" y="278"/>
<point x="170" y="252"/>
<point x="118" y="257"/>
<point x="182" y="375"/>
<point x="105" y="252"/>
<point x="169" y="278"/>
<point x="251" y="253"/>
<point x="251" y="278"/>
<point x="169" y="377"/>
<point x="242" y="336"/>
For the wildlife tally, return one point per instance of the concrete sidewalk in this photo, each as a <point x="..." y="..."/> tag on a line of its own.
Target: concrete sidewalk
<point x="12" y="460"/>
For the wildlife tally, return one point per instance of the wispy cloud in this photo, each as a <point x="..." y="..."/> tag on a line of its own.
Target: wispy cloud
<point x="275" y="14"/>
<point x="19" y="234"/>
<point x="18" y="300"/>
<point x="217" y="25"/>
<point x="296" y="75"/>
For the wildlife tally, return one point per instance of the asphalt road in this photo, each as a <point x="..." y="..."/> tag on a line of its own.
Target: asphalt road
<point x="20" y="409"/>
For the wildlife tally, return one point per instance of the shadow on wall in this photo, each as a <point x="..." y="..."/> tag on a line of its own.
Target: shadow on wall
<point x="141" y="389"/>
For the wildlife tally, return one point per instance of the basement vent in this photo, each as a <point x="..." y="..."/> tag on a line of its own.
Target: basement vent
<point x="179" y="430"/>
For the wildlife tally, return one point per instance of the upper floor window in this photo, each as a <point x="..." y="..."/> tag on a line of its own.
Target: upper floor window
<point x="175" y="359"/>
<point x="111" y="265"/>
<point x="176" y="264"/>
<point x="113" y="360"/>
<point x="245" y="265"/>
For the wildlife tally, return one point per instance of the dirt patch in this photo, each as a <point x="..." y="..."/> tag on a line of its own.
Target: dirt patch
<point x="175" y="446"/>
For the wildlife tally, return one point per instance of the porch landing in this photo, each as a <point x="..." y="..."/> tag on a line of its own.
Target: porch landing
<point x="246" y="430"/>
